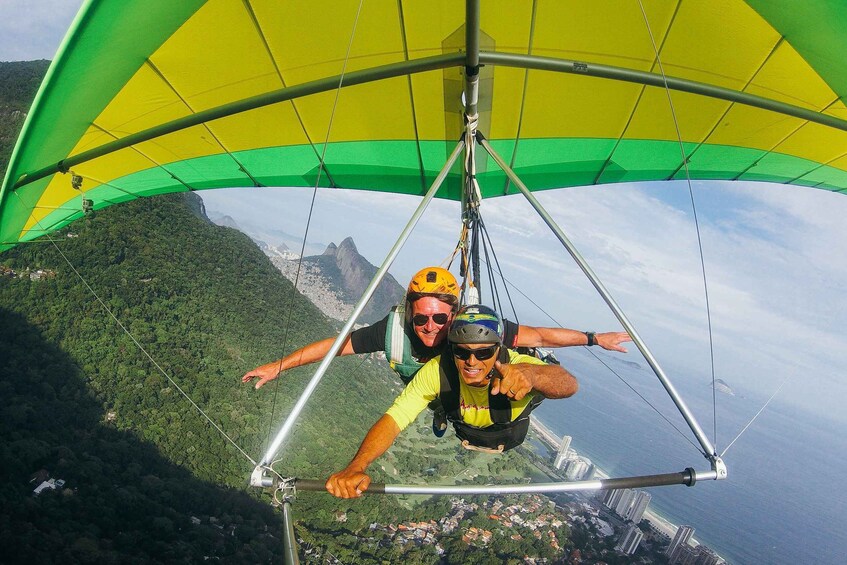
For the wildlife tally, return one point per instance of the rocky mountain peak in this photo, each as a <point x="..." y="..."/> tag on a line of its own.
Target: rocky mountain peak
<point x="336" y="279"/>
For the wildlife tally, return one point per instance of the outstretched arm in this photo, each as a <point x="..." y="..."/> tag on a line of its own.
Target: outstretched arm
<point x="303" y="356"/>
<point x="352" y="481"/>
<point x="529" y="336"/>
<point x="518" y="379"/>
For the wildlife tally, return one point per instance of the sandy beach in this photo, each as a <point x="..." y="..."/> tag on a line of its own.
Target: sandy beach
<point x="554" y="441"/>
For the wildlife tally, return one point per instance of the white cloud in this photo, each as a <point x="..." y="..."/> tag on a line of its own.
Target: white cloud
<point x="771" y="256"/>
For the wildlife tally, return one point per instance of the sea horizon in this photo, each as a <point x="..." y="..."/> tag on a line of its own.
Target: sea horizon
<point x="782" y="464"/>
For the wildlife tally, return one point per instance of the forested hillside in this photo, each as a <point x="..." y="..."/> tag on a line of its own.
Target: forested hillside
<point x="206" y="305"/>
<point x="18" y="84"/>
<point x="146" y="477"/>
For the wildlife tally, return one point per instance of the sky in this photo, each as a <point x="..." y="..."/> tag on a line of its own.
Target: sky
<point x="772" y="255"/>
<point x="33" y="29"/>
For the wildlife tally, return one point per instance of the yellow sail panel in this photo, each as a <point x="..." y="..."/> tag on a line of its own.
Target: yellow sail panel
<point x="816" y="143"/>
<point x="378" y="111"/>
<point x="59" y="194"/>
<point x="615" y="36"/>
<point x="560" y="105"/>
<point x="270" y="126"/>
<point x="308" y="45"/>
<point x="375" y="111"/>
<point x="209" y="69"/>
<point x="694" y="116"/>
<point x="181" y="145"/>
<point x="743" y="126"/>
<point x="787" y="78"/>
<point x="702" y="47"/>
<point x="506" y="103"/>
<point x="428" y="25"/>
<point x="430" y="103"/>
<point x="146" y="101"/>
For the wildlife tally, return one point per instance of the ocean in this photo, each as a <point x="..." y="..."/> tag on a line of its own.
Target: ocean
<point x="782" y="501"/>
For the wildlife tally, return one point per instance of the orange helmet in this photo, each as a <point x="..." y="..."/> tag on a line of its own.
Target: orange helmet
<point x="434" y="281"/>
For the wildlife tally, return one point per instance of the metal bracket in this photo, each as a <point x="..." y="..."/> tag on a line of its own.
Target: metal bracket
<point x="288" y="489"/>
<point x="719" y="467"/>
<point x="260" y="478"/>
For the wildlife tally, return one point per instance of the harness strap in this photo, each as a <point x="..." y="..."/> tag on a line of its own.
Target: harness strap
<point x="504" y="434"/>
<point x="396" y="331"/>
<point x="398" y="346"/>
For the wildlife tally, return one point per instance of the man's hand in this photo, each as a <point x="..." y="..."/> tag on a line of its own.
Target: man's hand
<point x="349" y="483"/>
<point x="611" y="340"/>
<point x="265" y="374"/>
<point x="515" y="381"/>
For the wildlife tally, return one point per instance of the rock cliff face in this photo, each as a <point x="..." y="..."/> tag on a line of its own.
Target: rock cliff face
<point x="336" y="279"/>
<point x="349" y="274"/>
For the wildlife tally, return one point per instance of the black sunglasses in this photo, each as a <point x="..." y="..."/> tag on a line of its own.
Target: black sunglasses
<point x="422" y="319"/>
<point x="481" y="354"/>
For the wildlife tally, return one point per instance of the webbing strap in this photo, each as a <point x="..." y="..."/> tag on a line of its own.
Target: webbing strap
<point x="397" y="331"/>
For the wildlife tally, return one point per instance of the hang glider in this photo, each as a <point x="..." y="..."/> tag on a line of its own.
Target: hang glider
<point x="155" y="96"/>
<point x="158" y="96"/>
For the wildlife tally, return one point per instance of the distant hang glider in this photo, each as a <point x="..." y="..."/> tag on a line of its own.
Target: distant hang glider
<point x="155" y="96"/>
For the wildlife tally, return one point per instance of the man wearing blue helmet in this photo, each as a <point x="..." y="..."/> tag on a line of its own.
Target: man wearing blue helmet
<point x="487" y="392"/>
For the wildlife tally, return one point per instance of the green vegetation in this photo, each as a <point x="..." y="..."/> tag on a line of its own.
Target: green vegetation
<point x="18" y="84"/>
<point x="206" y="305"/>
<point x="148" y="479"/>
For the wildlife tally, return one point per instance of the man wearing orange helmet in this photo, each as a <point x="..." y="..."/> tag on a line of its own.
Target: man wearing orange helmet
<point x="414" y="332"/>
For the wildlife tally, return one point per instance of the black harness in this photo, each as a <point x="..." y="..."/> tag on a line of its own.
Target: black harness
<point x="505" y="433"/>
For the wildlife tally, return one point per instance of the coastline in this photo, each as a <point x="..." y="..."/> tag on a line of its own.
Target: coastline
<point x="658" y="521"/>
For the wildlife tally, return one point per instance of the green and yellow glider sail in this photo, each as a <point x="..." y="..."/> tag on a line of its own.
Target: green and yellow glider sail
<point x="154" y="96"/>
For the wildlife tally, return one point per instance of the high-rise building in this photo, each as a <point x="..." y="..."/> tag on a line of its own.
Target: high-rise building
<point x="613" y="498"/>
<point x="630" y="539"/>
<point x="622" y="507"/>
<point x="563" y="455"/>
<point x="683" y="534"/>
<point x="639" y="506"/>
<point x="705" y="556"/>
<point x="684" y="555"/>
<point x="576" y="468"/>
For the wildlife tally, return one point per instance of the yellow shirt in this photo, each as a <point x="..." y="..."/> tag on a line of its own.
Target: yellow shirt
<point x="473" y="401"/>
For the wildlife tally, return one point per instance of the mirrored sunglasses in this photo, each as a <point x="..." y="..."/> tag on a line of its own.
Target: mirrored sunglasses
<point x="422" y="319"/>
<point x="481" y="354"/>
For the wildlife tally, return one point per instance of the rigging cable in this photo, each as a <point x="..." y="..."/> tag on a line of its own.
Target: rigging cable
<point x="696" y="225"/>
<point x="321" y="167"/>
<point x="135" y="341"/>
<point x="762" y="409"/>
<point x="499" y="271"/>
<point x="597" y="357"/>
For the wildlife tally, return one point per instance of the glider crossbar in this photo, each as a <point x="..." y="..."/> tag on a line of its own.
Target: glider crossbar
<point x="257" y="476"/>
<point x="706" y="445"/>
<point x="352" y="78"/>
<point x="393" y="70"/>
<point x="424" y="64"/>
<point x="687" y="477"/>
<point x="652" y="79"/>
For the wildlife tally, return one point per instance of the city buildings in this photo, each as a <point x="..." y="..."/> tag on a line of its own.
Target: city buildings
<point x="679" y="543"/>
<point x="627" y="503"/>
<point x="630" y="539"/>
<point x="562" y="454"/>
